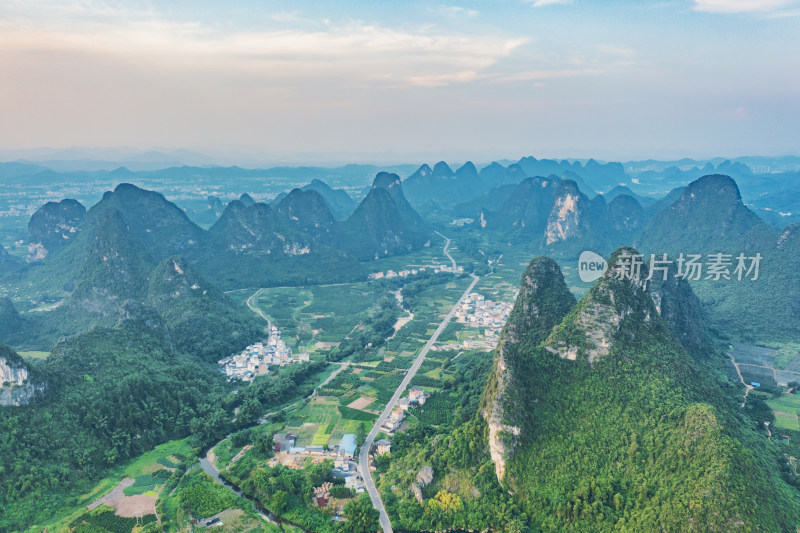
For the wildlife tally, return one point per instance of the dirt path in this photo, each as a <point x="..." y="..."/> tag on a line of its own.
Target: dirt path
<point x="115" y="493"/>
<point x="747" y="387"/>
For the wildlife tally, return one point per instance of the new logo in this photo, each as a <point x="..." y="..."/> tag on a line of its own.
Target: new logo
<point x="591" y="266"/>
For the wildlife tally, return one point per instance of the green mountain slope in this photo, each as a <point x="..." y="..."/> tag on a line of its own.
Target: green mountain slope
<point x="162" y="227"/>
<point x="257" y="246"/>
<point x="308" y="212"/>
<point x="622" y="430"/>
<point x="543" y="301"/>
<point x="384" y="223"/>
<point x="201" y="319"/>
<point x="114" y="269"/>
<point x="441" y="187"/>
<point x="524" y="214"/>
<point x="339" y="202"/>
<point x="710" y="218"/>
<point x="11" y="324"/>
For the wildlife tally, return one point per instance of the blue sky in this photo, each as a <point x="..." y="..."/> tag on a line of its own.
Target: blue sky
<point x="396" y="81"/>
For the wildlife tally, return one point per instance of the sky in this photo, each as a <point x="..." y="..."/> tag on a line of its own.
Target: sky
<point x="390" y="81"/>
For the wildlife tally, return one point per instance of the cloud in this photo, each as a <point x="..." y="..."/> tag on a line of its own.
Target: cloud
<point x="458" y="11"/>
<point x="354" y="53"/>
<point x="742" y="6"/>
<point x="543" y="3"/>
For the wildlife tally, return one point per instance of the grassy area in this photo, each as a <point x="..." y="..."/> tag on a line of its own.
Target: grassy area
<point x="142" y="465"/>
<point x="788" y="357"/>
<point x="786" y="421"/>
<point x="786" y="409"/>
<point x="224" y="451"/>
<point x="34" y="355"/>
<point x="789" y="403"/>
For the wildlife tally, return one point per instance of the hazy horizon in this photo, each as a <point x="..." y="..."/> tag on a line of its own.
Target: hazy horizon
<point x="304" y="82"/>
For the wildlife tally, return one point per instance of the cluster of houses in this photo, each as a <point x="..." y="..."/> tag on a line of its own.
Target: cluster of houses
<point x="389" y="274"/>
<point x="416" y="397"/>
<point x="343" y="455"/>
<point x="476" y="311"/>
<point x="461" y="222"/>
<point x="256" y="359"/>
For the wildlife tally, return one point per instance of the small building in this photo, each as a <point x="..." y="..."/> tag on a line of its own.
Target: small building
<point x="755" y="384"/>
<point x="403" y="403"/>
<point x="348" y="446"/>
<point x="416" y="394"/>
<point x="383" y="446"/>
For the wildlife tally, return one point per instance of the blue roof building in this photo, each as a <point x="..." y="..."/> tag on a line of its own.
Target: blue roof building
<point x="348" y="446"/>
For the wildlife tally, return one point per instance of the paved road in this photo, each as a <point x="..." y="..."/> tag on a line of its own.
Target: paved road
<point x="363" y="457"/>
<point x="446" y="246"/>
<point x="255" y="309"/>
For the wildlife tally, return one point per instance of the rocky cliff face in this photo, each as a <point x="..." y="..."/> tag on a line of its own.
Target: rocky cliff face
<point x="12" y="375"/>
<point x="15" y="388"/>
<point x="567" y="215"/>
<point x="52" y="226"/>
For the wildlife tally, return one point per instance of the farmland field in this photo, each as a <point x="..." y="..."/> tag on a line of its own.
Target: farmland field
<point x="324" y="313"/>
<point x="764" y="376"/>
<point x="786" y="409"/>
<point x="786" y="421"/>
<point x="747" y="354"/>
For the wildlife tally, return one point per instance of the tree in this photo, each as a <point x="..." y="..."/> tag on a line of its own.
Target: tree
<point x="362" y="433"/>
<point x="361" y="516"/>
<point x="278" y="501"/>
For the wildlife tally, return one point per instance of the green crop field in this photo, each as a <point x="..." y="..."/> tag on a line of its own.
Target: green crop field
<point x="324" y="313"/>
<point x="356" y="414"/>
<point x="788" y="402"/>
<point x="787" y="421"/>
<point x="786" y="409"/>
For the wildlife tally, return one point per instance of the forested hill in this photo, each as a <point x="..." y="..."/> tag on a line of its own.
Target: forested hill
<point x="623" y="430"/>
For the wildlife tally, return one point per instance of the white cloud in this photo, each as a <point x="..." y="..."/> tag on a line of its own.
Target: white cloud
<point x="742" y="6"/>
<point x="458" y="11"/>
<point x="356" y="53"/>
<point x="543" y="3"/>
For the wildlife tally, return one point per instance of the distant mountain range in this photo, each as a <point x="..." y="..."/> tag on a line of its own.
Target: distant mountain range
<point x="299" y="239"/>
<point x="295" y="240"/>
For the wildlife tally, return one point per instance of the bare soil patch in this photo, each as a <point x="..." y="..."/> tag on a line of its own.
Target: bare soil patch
<point x="133" y="506"/>
<point x="361" y="403"/>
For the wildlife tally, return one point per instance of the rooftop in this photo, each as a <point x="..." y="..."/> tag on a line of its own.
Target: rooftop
<point x="348" y="444"/>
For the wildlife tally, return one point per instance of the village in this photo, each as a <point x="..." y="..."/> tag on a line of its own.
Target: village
<point x="475" y="311"/>
<point x="344" y="454"/>
<point x="437" y="269"/>
<point x="256" y="359"/>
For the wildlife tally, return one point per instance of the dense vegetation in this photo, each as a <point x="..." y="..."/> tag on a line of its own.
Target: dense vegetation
<point x="448" y="435"/>
<point x="641" y="438"/>
<point x="113" y="394"/>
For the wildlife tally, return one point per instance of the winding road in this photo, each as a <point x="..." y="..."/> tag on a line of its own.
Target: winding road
<point x="363" y="456"/>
